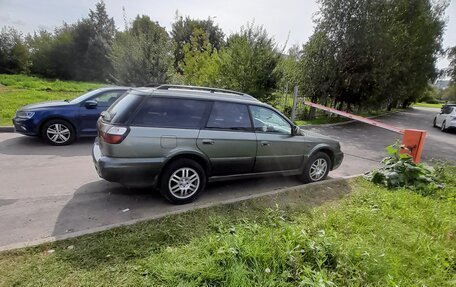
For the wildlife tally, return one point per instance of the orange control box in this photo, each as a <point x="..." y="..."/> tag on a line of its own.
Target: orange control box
<point x="413" y="142"/>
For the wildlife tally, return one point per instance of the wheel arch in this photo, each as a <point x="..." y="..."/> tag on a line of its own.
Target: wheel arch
<point x="202" y="160"/>
<point x="324" y="149"/>
<point x="51" y="118"/>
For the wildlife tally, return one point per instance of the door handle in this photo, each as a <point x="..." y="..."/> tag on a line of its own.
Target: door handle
<point x="208" y="141"/>
<point x="265" y="143"/>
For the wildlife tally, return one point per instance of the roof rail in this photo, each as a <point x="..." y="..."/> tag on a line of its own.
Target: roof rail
<point x="207" y="89"/>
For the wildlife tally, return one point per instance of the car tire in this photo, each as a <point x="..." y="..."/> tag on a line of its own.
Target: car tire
<point x="182" y="181"/>
<point x="58" y="132"/>
<point x="443" y="128"/>
<point x="317" y="168"/>
<point x="435" y="123"/>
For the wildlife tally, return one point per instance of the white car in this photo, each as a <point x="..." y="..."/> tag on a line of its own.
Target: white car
<point x="447" y="118"/>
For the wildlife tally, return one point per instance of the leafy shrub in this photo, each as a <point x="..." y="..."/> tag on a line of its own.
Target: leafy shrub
<point x="399" y="171"/>
<point x="431" y="101"/>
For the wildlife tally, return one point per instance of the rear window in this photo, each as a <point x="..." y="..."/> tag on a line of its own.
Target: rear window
<point x="171" y="113"/>
<point x="122" y="110"/>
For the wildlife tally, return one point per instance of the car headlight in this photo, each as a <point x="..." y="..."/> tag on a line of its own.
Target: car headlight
<point x="24" y="114"/>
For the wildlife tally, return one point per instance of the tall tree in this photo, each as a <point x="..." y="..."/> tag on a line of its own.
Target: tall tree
<point x="357" y="39"/>
<point x="417" y="30"/>
<point x="288" y="68"/>
<point x="53" y="54"/>
<point x="75" y="51"/>
<point x="93" y="38"/>
<point x="200" y="65"/>
<point x="182" y="31"/>
<point x="318" y="75"/>
<point x="452" y="68"/>
<point x="249" y="62"/>
<point x="141" y="55"/>
<point x="383" y="51"/>
<point x="14" y="55"/>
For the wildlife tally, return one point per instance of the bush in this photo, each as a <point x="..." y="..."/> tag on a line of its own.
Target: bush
<point x="399" y="171"/>
<point x="431" y="101"/>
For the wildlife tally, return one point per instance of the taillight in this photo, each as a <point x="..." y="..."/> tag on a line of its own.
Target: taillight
<point x="113" y="135"/>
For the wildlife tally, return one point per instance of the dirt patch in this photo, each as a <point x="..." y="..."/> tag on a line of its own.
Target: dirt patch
<point x="302" y="197"/>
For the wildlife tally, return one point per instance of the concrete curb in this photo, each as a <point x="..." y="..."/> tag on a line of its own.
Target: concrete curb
<point x="189" y="207"/>
<point x="6" y="129"/>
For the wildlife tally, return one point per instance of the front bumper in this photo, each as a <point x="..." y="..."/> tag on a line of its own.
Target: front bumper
<point x="26" y="126"/>
<point x="130" y="172"/>
<point x="338" y="158"/>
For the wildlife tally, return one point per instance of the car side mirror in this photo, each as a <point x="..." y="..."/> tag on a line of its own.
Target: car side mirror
<point x="91" y="104"/>
<point x="295" y="130"/>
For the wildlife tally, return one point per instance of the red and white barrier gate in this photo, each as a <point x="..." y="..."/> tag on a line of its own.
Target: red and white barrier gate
<point x="412" y="139"/>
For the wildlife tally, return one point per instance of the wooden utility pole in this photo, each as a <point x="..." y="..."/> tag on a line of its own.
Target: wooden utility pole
<point x="295" y="99"/>
<point x="285" y="103"/>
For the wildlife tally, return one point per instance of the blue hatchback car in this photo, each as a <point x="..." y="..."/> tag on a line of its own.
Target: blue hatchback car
<point x="62" y="122"/>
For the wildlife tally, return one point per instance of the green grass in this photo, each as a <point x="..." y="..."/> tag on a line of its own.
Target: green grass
<point x="13" y="99"/>
<point x="426" y="105"/>
<point x="39" y="84"/>
<point x="19" y="90"/>
<point x="372" y="237"/>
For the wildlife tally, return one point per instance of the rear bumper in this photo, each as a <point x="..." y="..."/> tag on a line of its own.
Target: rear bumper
<point x="131" y="172"/>
<point x="451" y="124"/>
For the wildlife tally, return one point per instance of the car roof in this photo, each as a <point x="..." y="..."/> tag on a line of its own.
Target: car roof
<point x="106" y="88"/>
<point x="194" y="92"/>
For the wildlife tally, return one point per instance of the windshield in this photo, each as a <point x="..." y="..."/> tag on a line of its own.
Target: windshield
<point x="84" y="97"/>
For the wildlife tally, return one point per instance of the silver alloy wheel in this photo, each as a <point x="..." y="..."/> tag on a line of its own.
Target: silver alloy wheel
<point x="184" y="182"/>
<point x="58" y="133"/>
<point x="443" y="127"/>
<point x="318" y="169"/>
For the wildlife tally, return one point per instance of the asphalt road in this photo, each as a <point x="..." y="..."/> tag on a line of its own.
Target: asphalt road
<point x="54" y="191"/>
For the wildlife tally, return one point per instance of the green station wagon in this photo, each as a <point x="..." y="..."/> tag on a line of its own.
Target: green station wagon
<point x="177" y="138"/>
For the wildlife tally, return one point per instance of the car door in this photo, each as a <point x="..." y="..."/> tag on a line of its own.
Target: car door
<point x="439" y="117"/>
<point x="442" y="116"/>
<point x="228" y="139"/>
<point x="90" y="110"/>
<point x="447" y="115"/>
<point x="277" y="148"/>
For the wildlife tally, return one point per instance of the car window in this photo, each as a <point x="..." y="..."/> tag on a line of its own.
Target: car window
<point x="171" y="113"/>
<point x="229" y="116"/>
<point x="269" y="121"/>
<point x="107" y="98"/>
<point x="84" y="97"/>
<point x="123" y="109"/>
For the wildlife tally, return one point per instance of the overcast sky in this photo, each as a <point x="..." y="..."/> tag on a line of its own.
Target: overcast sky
<point x="283" y="19"/>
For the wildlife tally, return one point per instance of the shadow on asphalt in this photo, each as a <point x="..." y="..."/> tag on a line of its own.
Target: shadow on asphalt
<point x="25" y="145"/>
<point x="102" y="203"/>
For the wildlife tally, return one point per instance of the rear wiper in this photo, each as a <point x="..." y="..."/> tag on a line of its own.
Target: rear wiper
<point x="105" y="116"/>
